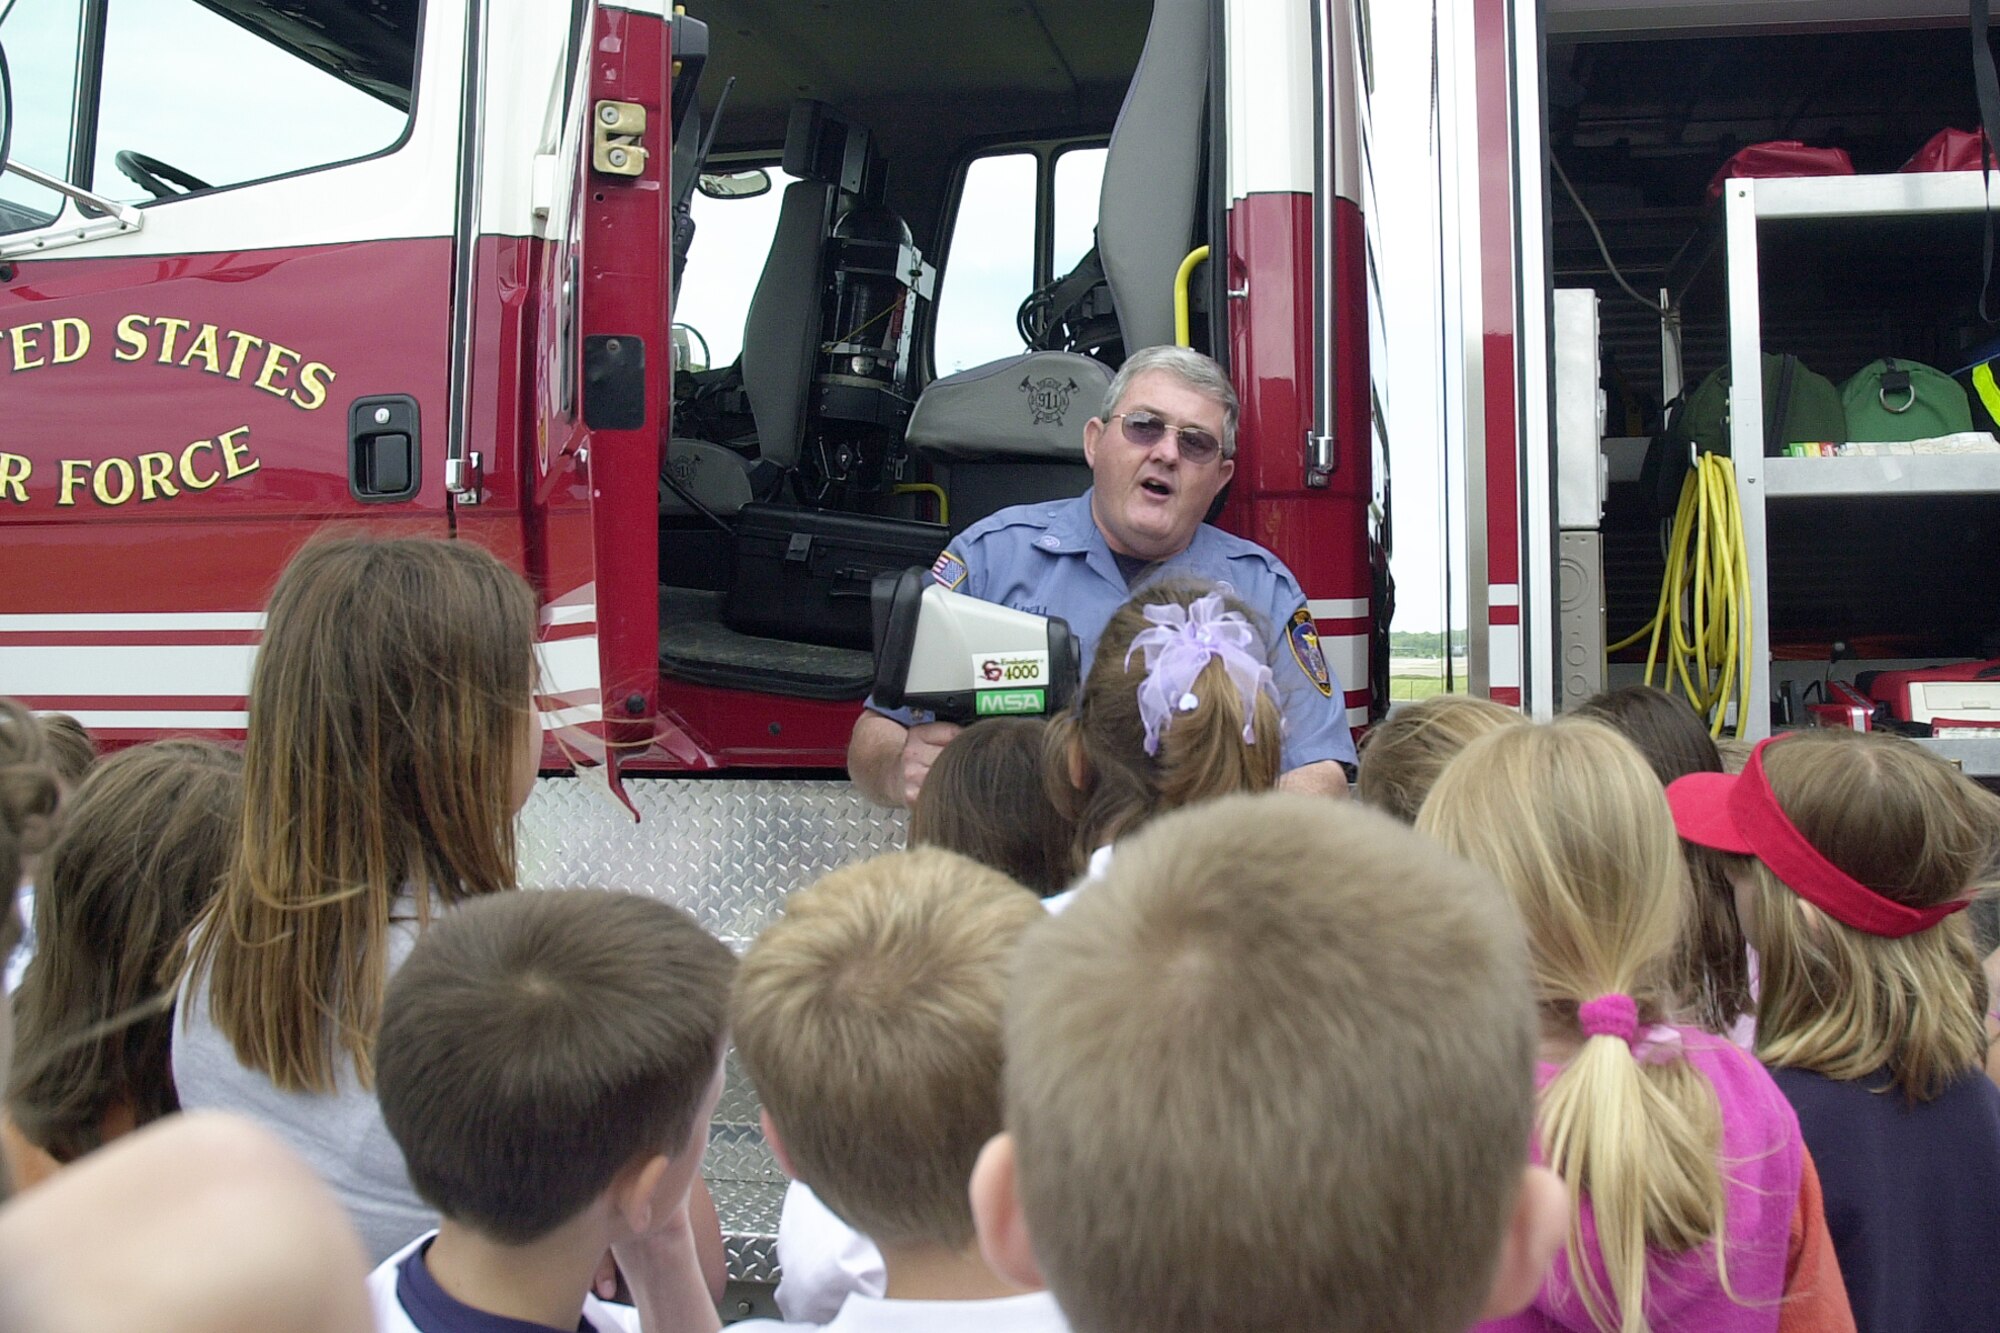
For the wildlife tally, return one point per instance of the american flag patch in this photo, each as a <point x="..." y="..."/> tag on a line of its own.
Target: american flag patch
<point x="949" y="570"/>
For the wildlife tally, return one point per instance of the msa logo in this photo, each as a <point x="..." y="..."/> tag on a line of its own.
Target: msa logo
<point x="995" y="703"/>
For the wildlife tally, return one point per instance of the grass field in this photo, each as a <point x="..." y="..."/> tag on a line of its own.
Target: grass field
<point x="1415" y="687"/>
<point x="1421" y="677"/>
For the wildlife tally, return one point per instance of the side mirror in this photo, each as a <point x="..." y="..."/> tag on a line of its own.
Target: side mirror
<point x="6" y="109"/>
<point x="735" y="184"/>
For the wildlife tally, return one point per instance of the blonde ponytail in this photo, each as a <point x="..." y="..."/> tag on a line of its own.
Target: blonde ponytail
<point x="1641" y="1141"/>
<point x="1570" y="818"/>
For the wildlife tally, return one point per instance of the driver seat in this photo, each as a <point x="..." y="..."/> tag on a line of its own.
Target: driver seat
<point x="780" y="341"/>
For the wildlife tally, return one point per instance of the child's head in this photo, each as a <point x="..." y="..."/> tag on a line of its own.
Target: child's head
<point x="1711" y="970"/>
<point x="30" y="789"/>
<point x="986" y="798"/>
<point x="1264" y="1075"/>
<point x="391" y="739"/>
<point x="1665" y="729"/>
<point x="1856" y="851"/>
<point x="70" y="748"/>
<point x="543" y="1047"/>
<point x="390" y="708"/>
<point x="25" y="786"/>
<point x="1165" y="718"/>
<point x="868" y="1017"/>
<point x="1402" y="756"/>
<point x="144" y="843"/>
<point x="1572" y="821"/>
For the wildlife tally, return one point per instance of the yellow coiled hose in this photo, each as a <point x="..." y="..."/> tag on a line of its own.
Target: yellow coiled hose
<point x="1704" y="599"/>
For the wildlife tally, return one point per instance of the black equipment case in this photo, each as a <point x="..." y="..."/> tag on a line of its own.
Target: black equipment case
<point x="805" y="574"/>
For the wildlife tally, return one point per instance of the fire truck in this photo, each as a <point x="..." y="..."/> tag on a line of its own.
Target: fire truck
<point x="700" y="319"/>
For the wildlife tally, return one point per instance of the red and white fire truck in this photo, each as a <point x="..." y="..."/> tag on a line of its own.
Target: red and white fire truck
<point x="463" y="324"/>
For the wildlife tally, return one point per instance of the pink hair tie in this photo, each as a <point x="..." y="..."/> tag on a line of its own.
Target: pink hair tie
<point x="1612" y="1015"/>
<point x="1617" y="1015"/>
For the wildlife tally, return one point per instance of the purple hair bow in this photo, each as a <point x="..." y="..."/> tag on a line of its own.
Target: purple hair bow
<point x="1183" y="640"/>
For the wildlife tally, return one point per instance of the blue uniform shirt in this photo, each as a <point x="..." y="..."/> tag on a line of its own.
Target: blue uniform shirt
<point x="1050" y="559"/>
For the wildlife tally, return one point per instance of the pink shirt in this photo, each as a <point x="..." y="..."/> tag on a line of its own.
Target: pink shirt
<point x="1761" y="1156"/>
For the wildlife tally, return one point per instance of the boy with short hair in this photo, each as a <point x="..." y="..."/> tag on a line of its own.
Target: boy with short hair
<point x="1275" y="1071"/>
<point x="548" y="1062"/>
<point x="869" y="1019"/>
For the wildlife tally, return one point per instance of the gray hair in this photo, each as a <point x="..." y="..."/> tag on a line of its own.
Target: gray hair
<point x="1191" y="368"/>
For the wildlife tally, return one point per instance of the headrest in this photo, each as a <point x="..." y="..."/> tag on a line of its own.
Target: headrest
<point x="1030" y="406"/>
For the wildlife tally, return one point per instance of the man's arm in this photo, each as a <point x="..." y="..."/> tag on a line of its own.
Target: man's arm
<point x="889" y="761"/>
<point x="1324" y="777"/>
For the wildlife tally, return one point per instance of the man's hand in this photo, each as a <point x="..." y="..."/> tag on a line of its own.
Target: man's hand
<point x="921" y="746"/>
<point x="1323" y="778"/>
<point x="889" y="761"/>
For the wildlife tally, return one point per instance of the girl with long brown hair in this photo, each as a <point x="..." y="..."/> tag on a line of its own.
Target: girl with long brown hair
<point x="142" y="849"/>
<point x="392" y="738"/>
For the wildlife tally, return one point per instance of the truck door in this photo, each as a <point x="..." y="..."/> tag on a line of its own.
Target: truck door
<point x="602" y="367"/>
<point x="226" y="261"/>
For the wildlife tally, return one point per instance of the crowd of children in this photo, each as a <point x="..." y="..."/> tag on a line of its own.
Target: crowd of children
<point x="1584" y="1025"/>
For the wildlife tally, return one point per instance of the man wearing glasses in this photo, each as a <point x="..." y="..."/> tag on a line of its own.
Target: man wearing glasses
<point x="1158" y="458"/>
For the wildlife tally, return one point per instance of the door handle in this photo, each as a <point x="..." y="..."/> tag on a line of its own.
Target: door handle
<point x="384" y="449"/>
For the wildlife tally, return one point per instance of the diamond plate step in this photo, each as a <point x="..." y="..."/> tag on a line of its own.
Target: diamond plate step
<point x="728" y="850"/>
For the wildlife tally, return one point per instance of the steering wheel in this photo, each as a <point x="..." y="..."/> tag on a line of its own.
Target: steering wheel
<point x="154" y="176"/>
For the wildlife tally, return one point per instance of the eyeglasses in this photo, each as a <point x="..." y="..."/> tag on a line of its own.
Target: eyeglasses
<point x="1146" y="430"/>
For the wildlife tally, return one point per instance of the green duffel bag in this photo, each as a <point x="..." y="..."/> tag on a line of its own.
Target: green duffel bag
<point x="1799" y="406"/>
<point x="1892" y="400"/>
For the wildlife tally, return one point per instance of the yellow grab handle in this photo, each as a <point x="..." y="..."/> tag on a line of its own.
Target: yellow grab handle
<point x="930" y="488"/>
<point x="1199" y="255"/>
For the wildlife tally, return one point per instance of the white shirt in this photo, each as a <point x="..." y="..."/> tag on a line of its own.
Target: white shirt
<point x="821" y="1261"/>
<point x="442" y="1314"/>
<point x="1031" y="1312"/>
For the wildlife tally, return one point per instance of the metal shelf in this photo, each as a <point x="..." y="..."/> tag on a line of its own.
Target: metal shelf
<point x="1977" y="759"/>
<point x="1876" y="475"/>
<point x="1747" y="205"/>
<point x="1900" y="193"/>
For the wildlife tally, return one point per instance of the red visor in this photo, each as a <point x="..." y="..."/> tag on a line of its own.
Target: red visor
<point x="1740" y="814"/>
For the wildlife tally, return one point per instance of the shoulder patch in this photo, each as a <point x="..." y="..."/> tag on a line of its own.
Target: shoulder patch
<point x="949" y="571"/>
<point x="1304" y="639"/>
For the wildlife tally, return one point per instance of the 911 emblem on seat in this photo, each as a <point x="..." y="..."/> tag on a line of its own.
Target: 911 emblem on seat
<point x="1048" y="398"/>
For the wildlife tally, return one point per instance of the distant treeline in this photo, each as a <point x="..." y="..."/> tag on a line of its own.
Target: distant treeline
<point x="1424" y="643"/>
